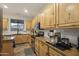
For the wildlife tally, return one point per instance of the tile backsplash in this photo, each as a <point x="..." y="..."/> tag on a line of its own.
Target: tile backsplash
<point x="72" y="34"/>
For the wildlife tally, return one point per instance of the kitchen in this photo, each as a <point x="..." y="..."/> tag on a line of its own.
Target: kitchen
<point x="40" y="29"/>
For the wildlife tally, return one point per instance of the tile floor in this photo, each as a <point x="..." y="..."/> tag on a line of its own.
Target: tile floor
<point x="22" y="50"/>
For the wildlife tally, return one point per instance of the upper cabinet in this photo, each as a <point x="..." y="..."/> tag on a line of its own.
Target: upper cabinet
<point x="5" y="23"/>
<point x="59" y="15"/>
<point x="51" y="15"/>
<point x="28" y="24"/>
<point x="47" y="17"/>
<point x="42" y="20"/>
<point x="34" y="21"/>
<point x="68" y="15"/>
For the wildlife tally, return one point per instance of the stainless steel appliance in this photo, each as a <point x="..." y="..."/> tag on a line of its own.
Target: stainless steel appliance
<point x="51" y="36"/>
<point x="40" y="33"/>
<point x="57" y="37"/>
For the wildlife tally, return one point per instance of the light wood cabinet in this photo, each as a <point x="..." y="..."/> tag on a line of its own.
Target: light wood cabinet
<point x="21" y="39"/>
<point x="29" y="39"/>
<point x="50" y="16"/>
<point x="43" y="49"/>
<point x="18" y="39"/>
<point x="7" y="48"/>
<point x="59" y="15"/>
<point x="73" y="11"/>
<point x="34" y="21"/>
<point x="52" y="52"/>
<point x="68" y="15"/>
<point x="37" y="46"/>
<point x="63" y="15"/>
<point x="47" y="17"/>
<point x="29" y="24"/>
<point x="40" y="48"/>
<point x="42" y="20"/>
<point x="5" y="23"/>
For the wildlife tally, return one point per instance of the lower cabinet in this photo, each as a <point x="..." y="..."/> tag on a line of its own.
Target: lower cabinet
<point x="22" y="39"/>
<point x="29" y="39"/>
<point x="7" y="48"/>
<point x="53" y="52"/>
<point x="37" y="47"/>
<point x="43" y="49"/>
<point x="40" y="48"/>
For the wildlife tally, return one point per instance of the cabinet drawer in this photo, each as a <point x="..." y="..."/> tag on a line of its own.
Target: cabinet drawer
<point x="43" y="49"/>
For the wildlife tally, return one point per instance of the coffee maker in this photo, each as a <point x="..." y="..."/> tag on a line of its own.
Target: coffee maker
<point x="51" y="36"/>
<point x="57" y="37"/>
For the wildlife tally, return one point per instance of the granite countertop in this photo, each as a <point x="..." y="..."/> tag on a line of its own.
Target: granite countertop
<point x="8" y="37"/>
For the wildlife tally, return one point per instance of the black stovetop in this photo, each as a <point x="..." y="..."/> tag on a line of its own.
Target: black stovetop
<point x="59" y="46"/>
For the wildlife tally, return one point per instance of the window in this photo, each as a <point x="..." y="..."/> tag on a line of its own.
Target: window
<point x="17" y="25"/>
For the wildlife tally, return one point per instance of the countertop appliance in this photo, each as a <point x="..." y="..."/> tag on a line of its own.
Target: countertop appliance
<point x="40" y="33"/>
<point x="51" y="36"/>
<point x="64" y="44"/>
<point x="57" y="37"/>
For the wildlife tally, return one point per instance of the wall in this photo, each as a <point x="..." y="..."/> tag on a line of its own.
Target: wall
<point x="72" y="34"/>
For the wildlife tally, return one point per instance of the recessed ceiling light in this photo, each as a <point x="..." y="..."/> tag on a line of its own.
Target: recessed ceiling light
<point x="25" y="10"/>
<point x="5" y="6"/>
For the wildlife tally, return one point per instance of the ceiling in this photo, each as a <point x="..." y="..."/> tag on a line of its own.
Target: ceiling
<point x="17" y="9"/>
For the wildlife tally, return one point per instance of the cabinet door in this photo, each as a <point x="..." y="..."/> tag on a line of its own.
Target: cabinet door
<point x="42" y="20"/>
<point x="73" y="10"/>
<point x="47" y="21"/>
<point x="7" y="48"/>
<point x="18" y="39"/>
<point x="28" y="24"/>
<point x="29" y="39"/>
<point x="5" y="23"/>
<point x="24" y="38"/>
<point x="48" y="16"/>
<point x="43" y="49"/>
<point x="52" y="52"/>
<point x="68" y="14"/>
<point x="33" y="23"/>
<point x="37" y="46"/>
<point x="52" y="15"/>
<point x="63" y="15"/>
